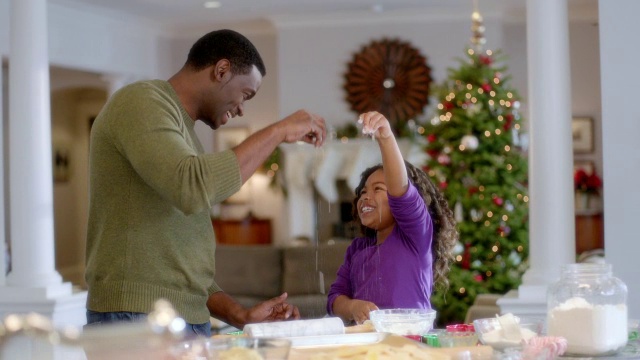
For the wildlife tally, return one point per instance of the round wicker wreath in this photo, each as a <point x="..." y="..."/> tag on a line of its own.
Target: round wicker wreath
<point x="389" y="76"/>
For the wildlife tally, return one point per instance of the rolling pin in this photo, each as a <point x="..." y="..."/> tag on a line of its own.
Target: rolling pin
<point x="324" y="326"/>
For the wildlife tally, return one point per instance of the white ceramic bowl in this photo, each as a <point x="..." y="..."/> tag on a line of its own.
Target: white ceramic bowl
<point x="490" y="332"/>
<point x="403" y="321"/>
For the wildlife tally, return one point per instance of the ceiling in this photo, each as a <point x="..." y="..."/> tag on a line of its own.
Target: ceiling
<point x="181" y="13"/>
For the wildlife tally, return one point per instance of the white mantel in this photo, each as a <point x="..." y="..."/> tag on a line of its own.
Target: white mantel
<point x="307" y="168"/>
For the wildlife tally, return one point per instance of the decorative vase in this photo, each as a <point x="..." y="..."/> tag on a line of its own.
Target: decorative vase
<point x="582" y="200"/>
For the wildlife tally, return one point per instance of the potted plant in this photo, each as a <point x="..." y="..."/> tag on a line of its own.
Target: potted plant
<point x="586" y="185"/>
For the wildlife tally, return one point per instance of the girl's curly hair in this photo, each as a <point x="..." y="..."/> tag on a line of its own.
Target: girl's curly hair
<point x="445" y="234"/>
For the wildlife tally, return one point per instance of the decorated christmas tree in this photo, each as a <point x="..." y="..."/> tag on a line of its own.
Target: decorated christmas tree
<point x="476" y="157"/>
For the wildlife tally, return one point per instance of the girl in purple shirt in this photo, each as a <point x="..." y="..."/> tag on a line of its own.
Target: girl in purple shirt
<point x="408" y="236"/>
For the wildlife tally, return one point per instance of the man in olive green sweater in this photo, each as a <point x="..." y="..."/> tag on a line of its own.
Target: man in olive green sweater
<point x="152" y="187"/>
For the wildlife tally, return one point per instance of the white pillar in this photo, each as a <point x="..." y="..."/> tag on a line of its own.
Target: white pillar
<point x="33" y="283"/>
<point x="30" y="143"/>
<point x="551" y="206"/>
<point x="619" y="29"/>
<point x="3" y="244"/>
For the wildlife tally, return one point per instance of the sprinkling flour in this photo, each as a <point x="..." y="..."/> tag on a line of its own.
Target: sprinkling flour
<point x="589" y="329"/>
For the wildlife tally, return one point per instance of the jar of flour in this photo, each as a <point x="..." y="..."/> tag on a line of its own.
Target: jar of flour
<point x="588" y="307"/>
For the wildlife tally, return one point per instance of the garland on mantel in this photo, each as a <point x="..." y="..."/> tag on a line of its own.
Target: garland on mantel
<point x="412" y="130"/>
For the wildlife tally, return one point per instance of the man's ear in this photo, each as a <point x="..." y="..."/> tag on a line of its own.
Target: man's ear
<point x="221" y="69"/>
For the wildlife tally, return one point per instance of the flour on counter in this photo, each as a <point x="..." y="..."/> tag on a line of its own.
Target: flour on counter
<point x="589" y="329"/>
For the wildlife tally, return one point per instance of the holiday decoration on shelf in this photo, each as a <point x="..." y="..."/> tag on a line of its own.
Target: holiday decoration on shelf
<point x="589" y="183"/>
<point x="587" y="186"/>
<point x="389" y="76"/>
<point x="272" y="167"/>
<point x="474" y="149"/>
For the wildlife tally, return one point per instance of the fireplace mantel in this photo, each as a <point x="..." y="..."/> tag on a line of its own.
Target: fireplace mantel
<point x="307" y="169"/>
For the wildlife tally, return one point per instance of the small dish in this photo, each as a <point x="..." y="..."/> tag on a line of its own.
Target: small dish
<point x="490" y="331"/>
<point x="403" y="321"/>
<point x="458" y="338"/>
<point x="432" y="337"/>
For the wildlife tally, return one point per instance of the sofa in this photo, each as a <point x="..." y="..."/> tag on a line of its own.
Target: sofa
<point x="254" y="273"/>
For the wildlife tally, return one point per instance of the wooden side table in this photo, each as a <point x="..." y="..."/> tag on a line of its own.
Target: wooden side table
<point x="589" y="231"/>
<point x="247" y="231"/>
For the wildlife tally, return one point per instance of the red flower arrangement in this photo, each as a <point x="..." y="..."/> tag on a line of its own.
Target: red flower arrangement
<point x="588" y="183"/>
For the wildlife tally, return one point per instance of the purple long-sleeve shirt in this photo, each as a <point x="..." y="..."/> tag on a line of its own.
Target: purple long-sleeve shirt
<point x="397" y="273"/>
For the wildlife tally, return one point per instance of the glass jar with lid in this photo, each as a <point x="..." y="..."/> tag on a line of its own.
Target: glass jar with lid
<point x="588" y="307"/>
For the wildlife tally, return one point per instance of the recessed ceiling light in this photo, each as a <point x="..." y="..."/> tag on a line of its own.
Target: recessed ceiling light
<point x="212" y="4"/>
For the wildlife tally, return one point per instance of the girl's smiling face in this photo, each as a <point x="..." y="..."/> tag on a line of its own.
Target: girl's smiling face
<point x="373" y="205"/>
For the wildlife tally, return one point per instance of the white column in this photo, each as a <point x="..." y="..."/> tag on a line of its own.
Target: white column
<point x="619" y="29"/>
<point x="551" y="207"/>
<point x="30" y="177"/>
<point x="3" y="244"/>
<point x="33" y="283"/>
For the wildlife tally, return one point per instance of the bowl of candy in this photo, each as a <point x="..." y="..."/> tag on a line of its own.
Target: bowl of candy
<point x="235" y="347"/>
<point x="508" y="331"/>
<point x="403" y="321"/>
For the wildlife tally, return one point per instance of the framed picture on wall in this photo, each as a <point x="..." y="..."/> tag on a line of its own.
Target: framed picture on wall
<point x="226" y="138"/>
<point x="582" y="132"/>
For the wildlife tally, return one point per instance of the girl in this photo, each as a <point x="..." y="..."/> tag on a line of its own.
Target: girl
<point x="409" y="234"/>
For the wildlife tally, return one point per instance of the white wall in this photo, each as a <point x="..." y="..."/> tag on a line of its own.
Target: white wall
<point x="88" y="40"/>
<point x="619" y="29"/>
<point x="313" y="58"/>
<point x="4" y="27"/>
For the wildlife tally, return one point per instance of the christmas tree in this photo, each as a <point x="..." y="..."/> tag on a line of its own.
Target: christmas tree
<point x="476" y="158"/>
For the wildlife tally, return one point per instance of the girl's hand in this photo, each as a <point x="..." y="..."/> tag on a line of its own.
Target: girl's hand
<point x="360" y="310"/>
<point x="374" y="123"/>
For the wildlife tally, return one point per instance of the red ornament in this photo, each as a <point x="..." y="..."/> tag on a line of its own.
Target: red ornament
<point x="443" y="185"/>
<point x="433" y="153"/>
<point x="466" y="257"/>
<point x="486" y="60"/>
<point x="473" y="190"/>
<point x="431" y="138"/>
<point x="508" y="121"/>
<point x="486" y="87"/>
<point x="498" y="201"/>
<point x="448" y="105"/>
<point x="478" y="278"/>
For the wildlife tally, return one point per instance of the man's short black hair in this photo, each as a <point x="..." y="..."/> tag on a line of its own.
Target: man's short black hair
<point x="225" y="44"/>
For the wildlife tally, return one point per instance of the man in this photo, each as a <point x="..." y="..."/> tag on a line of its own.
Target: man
<point x="152" y="187"/>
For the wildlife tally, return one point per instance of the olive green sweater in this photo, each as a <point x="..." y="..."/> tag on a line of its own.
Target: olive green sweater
<point x="151" y="189"/>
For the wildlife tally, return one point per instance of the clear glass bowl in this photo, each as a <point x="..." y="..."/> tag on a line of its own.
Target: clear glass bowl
<point x="232" y="348"/>
<point x="403" y="321"/>
<point x="490" y="331"/>
<point x="458" y="338"/>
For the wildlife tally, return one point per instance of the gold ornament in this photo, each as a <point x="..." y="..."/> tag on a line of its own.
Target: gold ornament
<point x="477" y="28"/>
